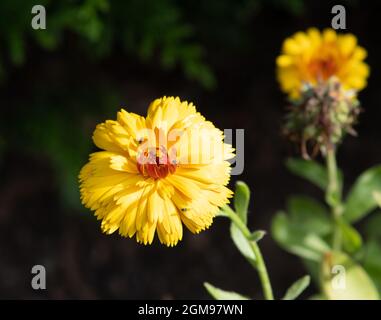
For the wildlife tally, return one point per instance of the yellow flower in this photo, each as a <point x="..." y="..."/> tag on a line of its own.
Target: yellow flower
<point x="310" y="57"/>
<point x="157" y="173"/>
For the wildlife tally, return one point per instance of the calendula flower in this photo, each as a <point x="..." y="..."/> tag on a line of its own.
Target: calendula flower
<point x="157" y="173"/>
<point x="311" y="57"/>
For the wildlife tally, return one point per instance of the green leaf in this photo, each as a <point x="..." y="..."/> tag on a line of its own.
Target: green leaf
<point x="310" y="214"/>
<point x="242" y="243"/>
<point x="296" y="240"/>
<point x="297" y="288"/>
<point x="372" y="261"/>
<point x="377" y="197"/>
<point x="220" y="294"/>
<point x="241" y="200"/>
<point x="309" y="170"/>
<point x="343" y="279"/>
<point x="352" y="240"/>
<point x="257" y="235"/>
<point x="361" y="200"/>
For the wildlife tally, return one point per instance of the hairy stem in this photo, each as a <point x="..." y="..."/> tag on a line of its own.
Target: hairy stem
<point x="333" y="196"/>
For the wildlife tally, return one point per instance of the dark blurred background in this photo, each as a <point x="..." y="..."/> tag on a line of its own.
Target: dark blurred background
<point x="98" y="55"/>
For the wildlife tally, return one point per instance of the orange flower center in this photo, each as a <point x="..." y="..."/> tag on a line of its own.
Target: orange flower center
<point x="323" y="68"/>
<point x="156" y="163"/>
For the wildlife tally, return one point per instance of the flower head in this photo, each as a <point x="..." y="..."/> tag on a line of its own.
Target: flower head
<point x="311" y="57"/>
<point x="322" y="117"/>
<point x="157" y="173"/>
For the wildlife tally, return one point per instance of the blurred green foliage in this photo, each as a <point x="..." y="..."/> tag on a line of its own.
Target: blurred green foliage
<point x="168" y="32"/>
<point x="307" y="228"/>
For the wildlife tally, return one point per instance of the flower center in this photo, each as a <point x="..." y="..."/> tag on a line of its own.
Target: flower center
<point x="156" y="163"/>
<point x="323" y="68"/>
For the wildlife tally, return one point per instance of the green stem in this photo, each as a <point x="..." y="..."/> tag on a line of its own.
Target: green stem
<point x="259" y="262"/>
<point x="333" y="196"/>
